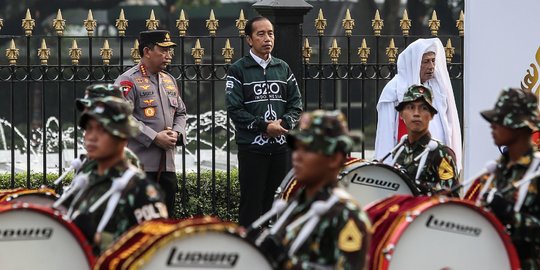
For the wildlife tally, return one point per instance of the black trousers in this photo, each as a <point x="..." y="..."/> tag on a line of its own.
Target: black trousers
<point x="259" y="176"/>
<point x="169" y="184"/>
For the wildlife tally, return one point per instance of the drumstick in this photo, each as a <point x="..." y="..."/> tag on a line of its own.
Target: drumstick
<point x="277" y="207"/>
<point x="75" y="165"/>
<point x="431" y="146"/>
<point x="319" y="210"/>
<point x="79" y="182"/>
<point x="117" y="186"/>
<point x="401" y="142"/>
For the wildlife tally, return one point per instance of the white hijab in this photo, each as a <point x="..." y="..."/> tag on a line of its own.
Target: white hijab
<point x="408" y="66"/>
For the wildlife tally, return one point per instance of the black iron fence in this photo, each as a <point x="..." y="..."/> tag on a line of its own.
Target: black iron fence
<point x="42" y="75"/>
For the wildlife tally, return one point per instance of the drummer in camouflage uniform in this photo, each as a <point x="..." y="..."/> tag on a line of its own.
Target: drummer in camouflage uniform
<point x="98" y="91"/>
<point x="340" y="239"/>
<point x="439" y="171"/>
<point x="108" y="124"/>
<point x="513" y="120"/>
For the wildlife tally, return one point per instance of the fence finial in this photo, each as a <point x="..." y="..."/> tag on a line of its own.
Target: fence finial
<point x="212" y="24"/>
<point x="434" y="24"/>
<point x="197" y="52"/>
<point x="90" y="24"/>
<point x="306" y="51"/>
<point x="334" y="52"/>
<point x="152" y="23"/>
<point x="449" y="51"/>
<point x="405" y="23"/>
<point x="377" y="23"/>
<point x="28" y="23"/>
<point x="106" y="53"/>
<point x="135" y="55"/>
<point x="12" y="53"/>
<point x="75" y="53"/>
<point x="320" y="23"/>
<point x="182" y="24"/>
<point x="44" y="53"/>
<point x="363" y="52"/>
<point x="241" y="24"/>
<point x="227" y="52"/>
<point x="460" y="24"/>
<point x="348" y="23"/>
<point x="121" y="24"/>
<point x="59" y="23"/>
<point x="1" y="23"/>
<point x="391" y="52"/>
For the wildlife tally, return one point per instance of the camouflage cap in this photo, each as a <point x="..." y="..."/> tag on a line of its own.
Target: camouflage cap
<point x="416" y="92"/>
<point x="97" y="91"/>
<point x="115" y="116"/>
<point x="515" y="108"/>
<point x="324" y="132"/>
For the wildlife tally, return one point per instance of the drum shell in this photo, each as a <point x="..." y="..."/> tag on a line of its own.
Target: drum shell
<point x="392" y="217"/>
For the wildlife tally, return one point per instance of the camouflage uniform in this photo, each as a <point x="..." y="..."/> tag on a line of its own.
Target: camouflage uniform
<point x="440" y="170"/>
<point x="517" y="109"/>
<point x="157" y="106"/>
<point x="140" y="200"/>
<point x="98" y="91"/>
<point x="341" y="238"/>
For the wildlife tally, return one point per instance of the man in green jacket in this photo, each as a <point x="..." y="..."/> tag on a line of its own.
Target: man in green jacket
<point x="263" y="101"/>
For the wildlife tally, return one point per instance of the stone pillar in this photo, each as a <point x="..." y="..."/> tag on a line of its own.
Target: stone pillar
<point x="287" y="17"/>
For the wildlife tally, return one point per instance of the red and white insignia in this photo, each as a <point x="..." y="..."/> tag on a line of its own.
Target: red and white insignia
<point x="126" y="87"/>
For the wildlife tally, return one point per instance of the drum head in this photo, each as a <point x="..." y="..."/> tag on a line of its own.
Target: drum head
<point x="370" y="182"/>
<point x="32" y="237"/>
<point x="208" y="250"/>
<point x="197" y="243"/>
<point x="443" y="235"/>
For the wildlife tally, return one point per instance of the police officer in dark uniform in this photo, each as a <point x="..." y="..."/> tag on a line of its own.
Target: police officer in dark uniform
<point x="338" y="236"/>
<point x="439" y="171"/>
<point x="96" y="91"/>
<point x="158" y="108"/>
<point x="513" y="120"/>
<point x="116" y="195"/>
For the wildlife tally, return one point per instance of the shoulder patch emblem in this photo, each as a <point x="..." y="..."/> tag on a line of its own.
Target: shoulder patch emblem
<point x="446" y="171"/>
<point x="350" y="237"/>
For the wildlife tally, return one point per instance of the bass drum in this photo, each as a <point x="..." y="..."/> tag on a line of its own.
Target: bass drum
<point x="369" y="182"/>
<point x="36" y="237"/>
<point x="437" y="233"/>
<point x="198" y="243"/>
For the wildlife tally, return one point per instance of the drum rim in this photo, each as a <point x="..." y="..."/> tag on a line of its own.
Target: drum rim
<point x="399" y="225"/>
<point x="57" y="216"/>
<point x="230" y="228"/>
<point x="408" y="181"/>
<point x="167" y="226"/>
<point x="6" y="197"/>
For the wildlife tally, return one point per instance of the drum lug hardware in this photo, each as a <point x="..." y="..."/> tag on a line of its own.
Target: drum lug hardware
<point x="388" y="251"/>
<point x="411" y="215"/>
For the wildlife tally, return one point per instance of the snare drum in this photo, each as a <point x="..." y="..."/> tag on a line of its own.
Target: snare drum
<point x="43" y="196"/>
<point x="198" y="243"/>
<point x="370" y="182"/>
<point x="37" y="237"/>
<point x="437" y="233"/>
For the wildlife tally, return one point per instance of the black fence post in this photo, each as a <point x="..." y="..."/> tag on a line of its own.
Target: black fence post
<point x="287" y="17"/>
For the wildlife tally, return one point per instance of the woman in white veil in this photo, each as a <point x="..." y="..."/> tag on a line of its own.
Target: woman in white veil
<point x="445" y="125"/>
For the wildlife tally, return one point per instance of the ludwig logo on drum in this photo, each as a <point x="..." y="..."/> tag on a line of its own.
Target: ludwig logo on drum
<point x="20" y="234"/>
<point x="453" y="227"/>
<point x="178" y="258"/>
<point x="366" y="181"/>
